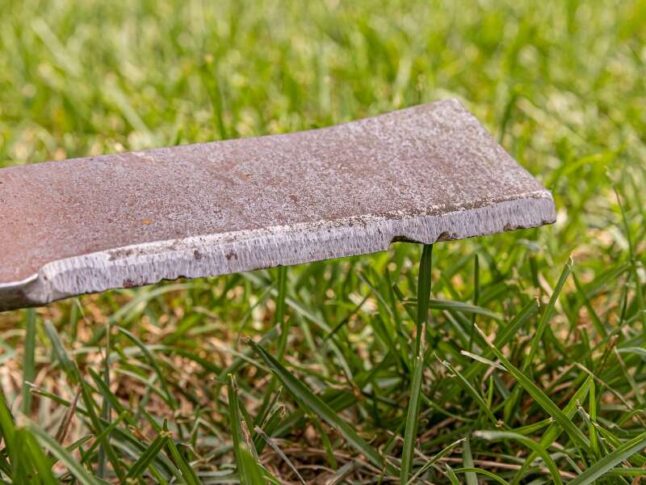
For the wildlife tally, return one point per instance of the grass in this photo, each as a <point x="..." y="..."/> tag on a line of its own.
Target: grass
<point x="534" y="343"/>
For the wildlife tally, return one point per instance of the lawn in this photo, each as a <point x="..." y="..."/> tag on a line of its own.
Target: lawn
<point x="534" y="363"/>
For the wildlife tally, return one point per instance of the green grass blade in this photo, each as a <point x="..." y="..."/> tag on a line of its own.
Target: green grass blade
<point x="67" y="419"/>
<point x="641" y="351"/>
<point x="29" y="361"/>
<point x="280" y="311"/>
<point x="283" y="325"/>
<point x="414" y="399"/>
<point x="98" y="428"/>
<point x="611" y="460"/>
<point x="474" y="471"/>
<point x="547" y="314"/>
<point x="592" y="432"/>
<point x="554" y="430"/>
<point x="458" y="306"/>
<point x="280" y="453"/>
<point x="146" y="458"/>
<point x="106" y="410"/>
<point x="445" y="451"/>
<point x="541" y="398"/>
<point x="412" y="417"/>
<point x="472" y="391"/>
<point x="74" y="375"/>
<point x="598" y="324"/>
<point x="450" y="474"/>
<point x="106" y="432"/>
<point x="150" y="358"/>
<point x="250" y="469"/>
<point x="187" y="474"/>
<point x="61" y="354"/>
<point x="535" y="447"/>
<point x="476" y="296"/>
<point x="467" y="457"/>
<point x="314" y="404"/>
<point x="36" y="457"/>
<point x="423" y="294"/>
<point x="80" y="473"/>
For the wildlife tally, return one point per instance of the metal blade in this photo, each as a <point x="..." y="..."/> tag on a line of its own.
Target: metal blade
<point x="424" y="174"/>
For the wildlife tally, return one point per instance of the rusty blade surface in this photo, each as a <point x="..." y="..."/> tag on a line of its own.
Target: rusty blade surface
<point x="424" y="174"/>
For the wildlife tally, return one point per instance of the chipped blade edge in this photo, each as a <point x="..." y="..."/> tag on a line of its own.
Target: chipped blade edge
<point x="219" y="254"/>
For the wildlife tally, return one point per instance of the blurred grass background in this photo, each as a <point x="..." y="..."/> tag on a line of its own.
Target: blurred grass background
<point x="560" y="83"/>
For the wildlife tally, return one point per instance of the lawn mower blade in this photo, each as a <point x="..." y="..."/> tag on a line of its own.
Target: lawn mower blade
<point x="426" y="174"/>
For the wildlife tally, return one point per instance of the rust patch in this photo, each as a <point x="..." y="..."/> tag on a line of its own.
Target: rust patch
<point x="447" y="236"/>
<point x="120" y="254"/>
<point x="433" y="160"/>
